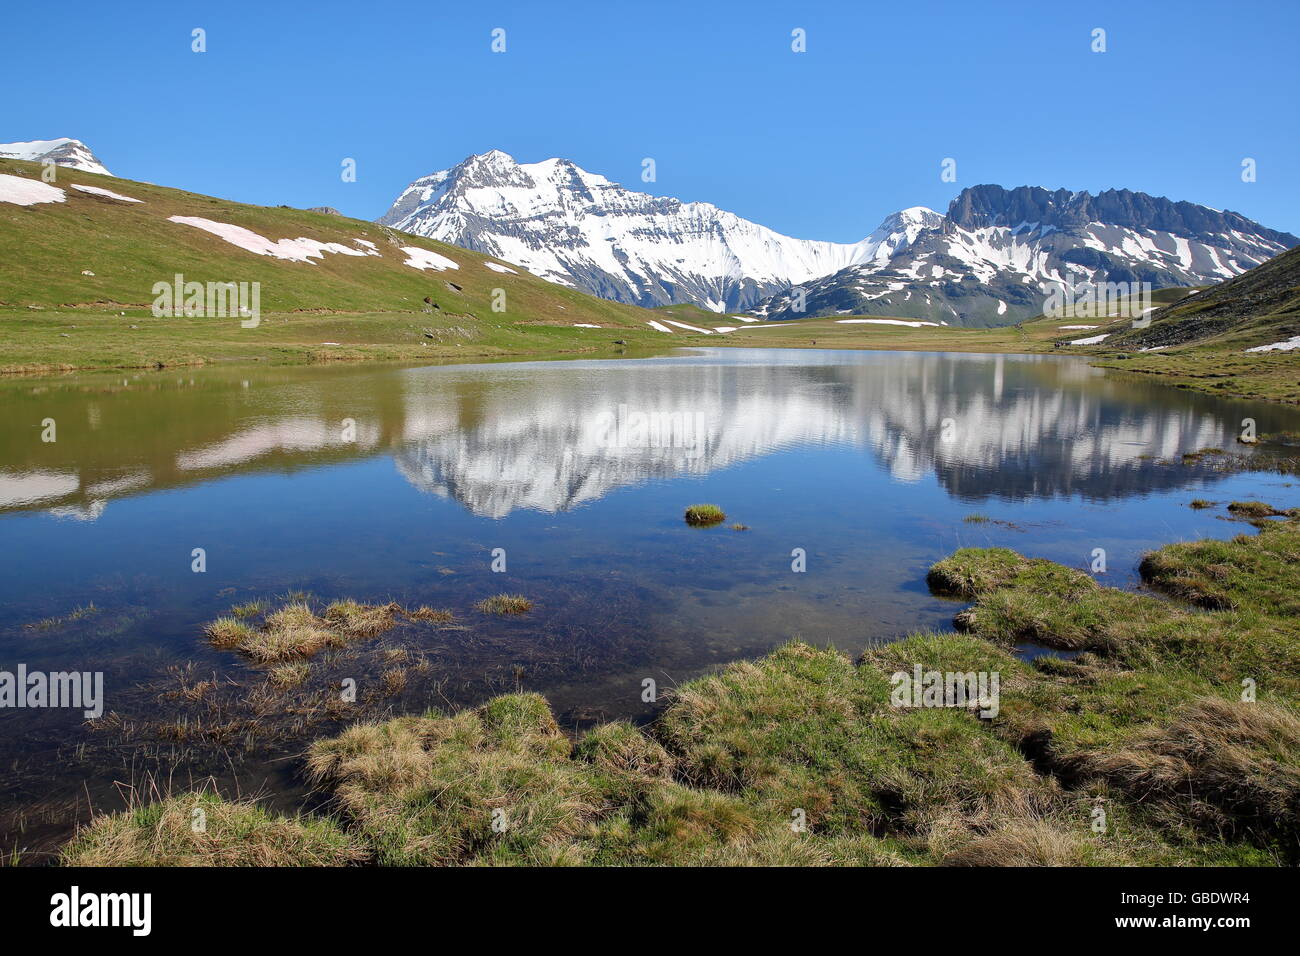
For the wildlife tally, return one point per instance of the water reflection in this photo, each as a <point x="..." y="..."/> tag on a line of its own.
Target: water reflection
<point x="552" y="436"/>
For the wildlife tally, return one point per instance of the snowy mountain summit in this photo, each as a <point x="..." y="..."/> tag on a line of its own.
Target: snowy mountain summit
<point x="997" y="250"/>
<point x="580" y="229"/>
<point x="72" y="153"/>
<point x="987" y="262"/>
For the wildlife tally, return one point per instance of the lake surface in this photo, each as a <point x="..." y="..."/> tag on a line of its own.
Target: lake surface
<point x="398" y="483"/>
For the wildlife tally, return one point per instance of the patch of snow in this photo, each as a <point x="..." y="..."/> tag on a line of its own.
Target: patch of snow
<point x="422" y="259"/>
<point x="497" y="267"/>
<point x="1091" y="341"/>
<point x="658" y="327"/>
<point x="581" y="325"/>
<point x="1002" y="307"/>
<point x="911" y="325"/>
<point x="692" y="328"/>
<point x="95" y="190"/>
<point x="1073" y="327"/>
<point x="28" y="192"/>
<point x="1287" y="346"/>
<point x="291" y="250"/>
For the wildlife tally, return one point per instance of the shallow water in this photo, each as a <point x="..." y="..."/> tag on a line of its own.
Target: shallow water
<point x="384" y="483"/>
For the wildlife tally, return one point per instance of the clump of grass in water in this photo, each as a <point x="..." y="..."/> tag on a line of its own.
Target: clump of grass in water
<point x="977" y="519"/>
<point x="503" y="604"/>
<point x="295" y="632"/>
<point x="248" y="609"/>
<point x="704" y="515"/>
<point x="227" y="633"/>
<point x="431" y="614"/>
<point x="1200" y="504"/>
<point x="1253" y="509"/>
<point x="290" y="674"/>
<point x="739" y="527"/>
<point x="361" y="620"/>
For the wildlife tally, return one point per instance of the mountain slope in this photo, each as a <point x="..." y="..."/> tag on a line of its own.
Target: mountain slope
<point x="87" y="248"/>
<point x="1259" y="308"/>
<point x="72" y="153"/>
<point x="577" y="228"/>
<point x="998" y="252"/>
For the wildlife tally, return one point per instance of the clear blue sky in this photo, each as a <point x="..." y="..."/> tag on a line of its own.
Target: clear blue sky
<point x="821" y="144"/>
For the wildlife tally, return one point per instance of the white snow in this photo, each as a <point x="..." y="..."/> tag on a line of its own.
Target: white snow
<point x="1002" y="307"/>
<point x="95" y="190"/>
<point x="912" y="325"/>
<point x="76" y="154"/>
<point x="292" y="250"/>
<point x="585" y="325"/>
<point x="1287" y="346"/>
<point x="497" y="267"/>
<point x="742" y="318"/>
<point x="1091" y="341"/>
<point x="422" y="259"/>
<point x="28" y="192"/>
<point x="659" y="327"/>
<point x="725" y="328"/>
<point x="633" y="238"/>
<point x="1073" y="327"/>
<point x="692" y="328"/>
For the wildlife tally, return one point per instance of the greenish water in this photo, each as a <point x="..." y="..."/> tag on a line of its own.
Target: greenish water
<point x="383" y="483"/>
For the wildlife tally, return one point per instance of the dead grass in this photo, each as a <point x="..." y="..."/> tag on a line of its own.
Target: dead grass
<point x="504" y="604"/>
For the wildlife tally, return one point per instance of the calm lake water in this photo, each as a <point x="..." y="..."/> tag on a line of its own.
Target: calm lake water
<point x="384" y="483"/>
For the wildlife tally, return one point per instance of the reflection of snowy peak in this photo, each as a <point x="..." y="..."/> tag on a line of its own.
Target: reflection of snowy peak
<point x="72" y="153"/>
<point x="577" y="228"/>
<point x="551" y="450"/>
<point x="987" y="261"/>
<point x="554" y="436"/>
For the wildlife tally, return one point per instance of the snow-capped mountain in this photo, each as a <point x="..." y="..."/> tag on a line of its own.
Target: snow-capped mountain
<point x="72" y="153"/>
<point x="574" y="227"/>
<point x="995" y="256"/>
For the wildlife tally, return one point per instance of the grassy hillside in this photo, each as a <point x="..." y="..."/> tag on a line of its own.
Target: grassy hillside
<point x="53" y="315"/>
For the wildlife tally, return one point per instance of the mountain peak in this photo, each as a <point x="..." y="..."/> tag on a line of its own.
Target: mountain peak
<point x="72" y="153"/>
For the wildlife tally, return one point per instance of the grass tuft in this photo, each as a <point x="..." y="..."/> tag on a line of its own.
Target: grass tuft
<point x="505" y="604"/>
<point x="705" y="515"/>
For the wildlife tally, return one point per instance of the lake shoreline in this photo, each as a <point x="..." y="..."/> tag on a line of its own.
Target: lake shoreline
<point x="394" y="338"/>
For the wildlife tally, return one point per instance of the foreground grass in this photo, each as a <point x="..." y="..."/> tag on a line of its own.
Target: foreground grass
<point x="1171" y="737"/>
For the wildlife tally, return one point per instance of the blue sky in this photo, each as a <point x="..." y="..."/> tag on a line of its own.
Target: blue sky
<point x="821" y="144"/>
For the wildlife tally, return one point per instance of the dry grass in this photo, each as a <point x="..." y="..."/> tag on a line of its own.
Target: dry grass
<point x="357" y="620"/>
<point x="431" y="614"/>
<point x="201" y="829"/>
<point x="503" y="604"/>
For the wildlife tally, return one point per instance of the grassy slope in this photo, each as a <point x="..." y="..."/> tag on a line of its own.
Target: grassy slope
<point x="1147" y="725"/>
<point x="54" y="317"/>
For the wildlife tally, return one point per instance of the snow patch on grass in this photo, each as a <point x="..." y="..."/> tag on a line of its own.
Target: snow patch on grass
<point x="97" y="191"/>
<point x="497" y="267"/>
<point x="422" y="259"/>
<point x="910" y="325"/>
<point x="1092" y="340"/>
<point x="291" y="250"/>
<point x="1287" y="346"/>
<point x="28" y="192"/>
